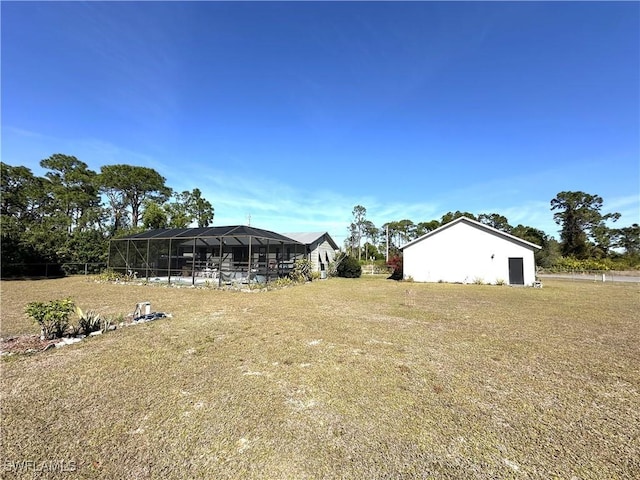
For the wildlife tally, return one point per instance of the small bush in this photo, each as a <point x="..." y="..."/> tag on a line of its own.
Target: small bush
<point x="88" y="322"/>
<point x="301" y="271"/>
<point x="500" y="281"/>
<point x="53" y="316"/>
<point x="396" y="264"/>
<point x="478" y="281"/>
<point x="110" y="275"/>
<point x="349" y="267"/>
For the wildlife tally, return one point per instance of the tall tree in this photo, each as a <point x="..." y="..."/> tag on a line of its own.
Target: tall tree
<point x="530" y="234"/>
<point x="370" y="233"/>
<point x="399" y="233"/>
<point x="422" y="228"/>
<point x="154" y="216"/>
<point x="580" y="217"/>
<point x="23" y="200"/>
<point x="604" y="239"/>
<point x="495" y="220"/>
<point x="178" y="212"/>
<point x="451" y="216"/>
<point x="550" y="251"/>
<point x="22" y="196"/>
<point x="628" y="238"/>
<point x="357" y="226"/>
<point x="372" y="251"/>
<point x="127" y="187"/>
<point x="351" y="242"/>
<point x="405" y="230"/>
<point x="74" y="191"/>
<point x="201" y="209"/>
<point x="189" y="207"/>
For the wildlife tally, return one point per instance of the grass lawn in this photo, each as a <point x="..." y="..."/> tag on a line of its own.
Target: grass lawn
<point x="364" y="378"/>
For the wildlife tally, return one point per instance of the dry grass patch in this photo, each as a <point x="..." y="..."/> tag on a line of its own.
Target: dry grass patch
<point x="336" y="379"/>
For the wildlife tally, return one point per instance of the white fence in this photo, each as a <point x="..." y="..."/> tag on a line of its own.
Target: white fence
<point x="596" y="276"/>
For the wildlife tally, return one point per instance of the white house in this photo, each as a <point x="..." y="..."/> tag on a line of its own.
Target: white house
<point x="466" y="251"/>
<point x="321" y="249"/>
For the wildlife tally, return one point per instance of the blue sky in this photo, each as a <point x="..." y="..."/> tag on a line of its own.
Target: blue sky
<point x="293" y="113"/>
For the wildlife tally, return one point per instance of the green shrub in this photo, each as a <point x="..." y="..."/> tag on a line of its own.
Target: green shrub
<point x="349" y="267"/>
<point x="53" y="316"/>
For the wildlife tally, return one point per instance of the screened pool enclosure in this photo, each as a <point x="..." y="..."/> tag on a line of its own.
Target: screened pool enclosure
<point x="210" y="255"/>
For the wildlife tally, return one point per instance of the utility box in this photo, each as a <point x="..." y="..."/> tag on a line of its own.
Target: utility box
<point x="142" y="308"/>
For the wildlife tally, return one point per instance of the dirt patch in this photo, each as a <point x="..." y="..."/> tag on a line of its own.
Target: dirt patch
<point x="24" y="344"/>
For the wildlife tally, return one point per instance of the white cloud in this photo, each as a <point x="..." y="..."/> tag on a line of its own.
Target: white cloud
<point x="291" y="205"/>
<point x="280" y="206"/>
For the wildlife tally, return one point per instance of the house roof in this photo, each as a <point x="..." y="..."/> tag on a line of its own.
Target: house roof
<point x="204" y="232"/>
<point x="310" y="237"/>
<point x="478" y="225"/>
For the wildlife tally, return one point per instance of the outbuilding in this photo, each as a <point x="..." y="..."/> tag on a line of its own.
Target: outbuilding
<point x="320" y="247"/>
<point x="467" y="251"/>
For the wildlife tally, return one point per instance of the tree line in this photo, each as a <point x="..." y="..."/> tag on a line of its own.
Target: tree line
<point x="68" y="216"/>
<point x="584" y="233"/>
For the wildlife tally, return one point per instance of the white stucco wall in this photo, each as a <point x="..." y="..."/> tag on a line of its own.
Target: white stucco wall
<point x="465" y="253"/>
